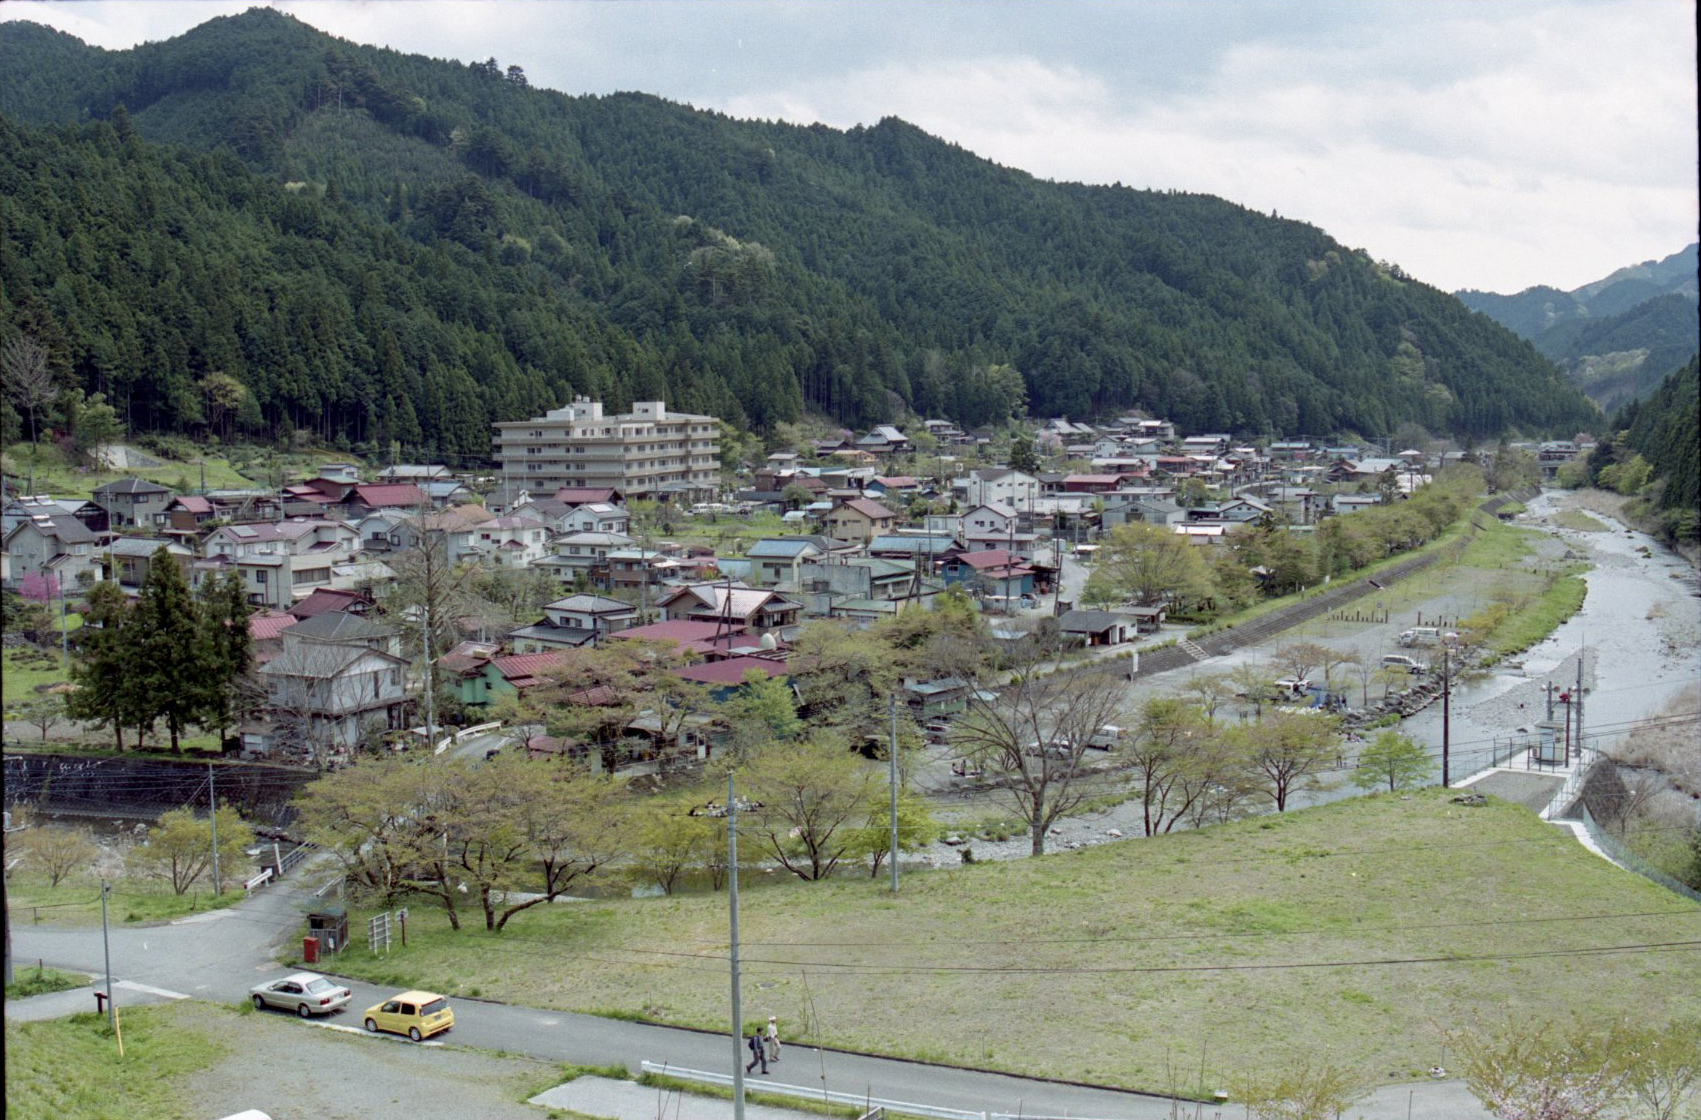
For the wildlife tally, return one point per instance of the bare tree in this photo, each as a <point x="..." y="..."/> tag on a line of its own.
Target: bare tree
<point x="1297" y="659"/>
<point x="57" y="852"/>
<point x="1032" y="733"/>
<point x="1287" y="751"/>
<point x="29" y="383"/>
<point x="1210" y="691"/>
<point x="1362" y="665"/>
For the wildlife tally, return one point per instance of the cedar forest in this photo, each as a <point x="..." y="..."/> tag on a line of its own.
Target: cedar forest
<point x="257" y="228"/>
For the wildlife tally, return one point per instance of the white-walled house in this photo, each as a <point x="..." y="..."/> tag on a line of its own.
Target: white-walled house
<point x="279" y="561"/>
<point x="577" y="620"/>
<point x="1013" y="488"/>
<point x="59" y="546"/>
<point x="595" y="517"/>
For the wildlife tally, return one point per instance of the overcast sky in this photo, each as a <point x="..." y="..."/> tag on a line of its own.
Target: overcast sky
<point x="1478" y="144"/>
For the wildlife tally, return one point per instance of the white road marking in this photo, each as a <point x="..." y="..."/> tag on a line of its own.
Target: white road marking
<point x="209" y="916"/>
<point x="133" y="986"/>
<point x="364" y="1033"/>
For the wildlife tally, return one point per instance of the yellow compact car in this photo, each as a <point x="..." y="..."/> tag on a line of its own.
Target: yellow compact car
<point x="419" y="1015"/>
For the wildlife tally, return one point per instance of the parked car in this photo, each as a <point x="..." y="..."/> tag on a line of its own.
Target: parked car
<point x="419" y="1015"/>
<point x="1401" y="661"/>
<point x="304" y="993"/>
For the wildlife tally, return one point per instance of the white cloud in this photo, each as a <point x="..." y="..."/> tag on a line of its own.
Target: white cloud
<point x="1484" y="145"/>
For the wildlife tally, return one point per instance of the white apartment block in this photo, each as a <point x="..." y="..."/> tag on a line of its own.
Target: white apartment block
<point x="646" y="453"/>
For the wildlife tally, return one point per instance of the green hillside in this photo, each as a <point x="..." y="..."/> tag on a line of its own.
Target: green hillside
<point x="1615" y="338"/>
<point x="520" y="245"/>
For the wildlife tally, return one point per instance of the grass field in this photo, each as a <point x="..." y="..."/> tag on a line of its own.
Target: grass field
<point x="55" y="475"/>
<point x="1243" y="946"/>
<point x="69" y="1069"/>
<point x="76" y="901"/>
<point x="23" y="670"/>
<point x="34" y="981"/>
<point x="1580" y="521"/>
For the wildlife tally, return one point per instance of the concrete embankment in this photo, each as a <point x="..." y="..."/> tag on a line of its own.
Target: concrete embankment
<point x="143" y="788"/>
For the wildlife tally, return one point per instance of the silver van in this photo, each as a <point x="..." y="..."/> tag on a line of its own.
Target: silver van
<point x="1420" y="636"/>
<point x="1401" y="661"/>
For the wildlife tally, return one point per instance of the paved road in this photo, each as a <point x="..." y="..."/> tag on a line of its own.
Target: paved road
<point x="475" y="746"/>
<point x="219" y="956"/>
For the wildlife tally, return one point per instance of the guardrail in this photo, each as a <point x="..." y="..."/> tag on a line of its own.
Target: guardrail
<point x="465" y="733"/>
<point x="260" y="880"/>
<point x="805" y="1092"/>
<point x="1628" y="859"/>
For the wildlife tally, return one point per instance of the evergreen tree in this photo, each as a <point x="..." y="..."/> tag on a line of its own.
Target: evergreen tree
<point x="169" y="671"/>
<point x="227" y="651"/>
<point x="107" y="689"/>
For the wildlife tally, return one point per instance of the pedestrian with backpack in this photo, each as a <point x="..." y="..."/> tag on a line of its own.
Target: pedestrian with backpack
<point x="757" y="1053"/>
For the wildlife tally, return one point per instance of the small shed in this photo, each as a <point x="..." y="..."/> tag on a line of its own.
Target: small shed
<point x="330" y="926"/>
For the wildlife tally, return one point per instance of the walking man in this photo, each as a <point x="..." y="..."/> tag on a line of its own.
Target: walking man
<point x="773" y="1038"/>
<point x="757" y="1053"/>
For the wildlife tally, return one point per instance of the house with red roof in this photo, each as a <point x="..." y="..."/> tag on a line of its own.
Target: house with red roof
<point x="370" y="497"/>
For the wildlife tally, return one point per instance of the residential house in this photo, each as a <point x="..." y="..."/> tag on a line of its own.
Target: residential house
<point x="826" y="587"/>
<point x="185" y="514"/>
<point x="1091" y="483"/>
<point x="583" y="554"/>
<point x="370" y="497"/>
<point x="280" y="561"/>
<point x="416" y="473"/>
<point x="723" y="677"/>
<point x="446" y="492"/>
<point x="778" y="560"/>
<point x="325" y="600"/>
<point x="632" y="569"/>
<point x="93" y="517"/>
<point x="860" y="519"/>
<point x="1291" y="450"/>
<point x="999" y="576"/>
<point x="510" y="542"/>
<point x="594" y="517"/>
<point x="128" y="560"/>
<point x="1121" y="509"/>
<point x="1097" y="628"/>
<point x="588" y="495"/>
<point x="131" y="502"/>
<point x="1012" y="488"/>
<point x="265" y="632"/>
<point x="1206" y="443"/>
<point x="479" y="680"/>
<point x="456" y="529"/>
<point x="334" y="677"/>
<point x="921" y="550"/>
<point x="995" y="525"/>
<point x="883" y="440"/>
<point x="577" y="620"/>
<point x="55" y="545"/>
<point x="753" y="608"/>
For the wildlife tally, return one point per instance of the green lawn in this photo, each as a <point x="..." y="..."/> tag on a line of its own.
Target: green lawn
<point x="1254" y="942"/>
<point x="1580" y="521"/>
<point x="69" y="1069"/>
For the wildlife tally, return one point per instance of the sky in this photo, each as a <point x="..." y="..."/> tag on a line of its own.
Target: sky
<point x="1490" y="144"/>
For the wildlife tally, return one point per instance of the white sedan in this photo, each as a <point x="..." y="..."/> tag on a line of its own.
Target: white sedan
<point x="304" y="993"/>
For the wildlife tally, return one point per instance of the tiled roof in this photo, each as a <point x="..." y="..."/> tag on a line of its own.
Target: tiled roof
<point x="869" y="508"/>
<point x="390" y="494"/>
<point x="582" y="495"/>
<point x="265" y="625"/>
<point x="131" y="486"/>
<point x="194" y="504"/>
<point x="526" y="666"/>
<point x="731" y="670"/>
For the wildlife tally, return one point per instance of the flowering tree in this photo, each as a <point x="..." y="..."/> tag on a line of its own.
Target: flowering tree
<point x="39" y="588"/>
<point x="1531" y="1070"/>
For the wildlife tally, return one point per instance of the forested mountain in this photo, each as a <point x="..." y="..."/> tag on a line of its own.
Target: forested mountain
<point x="1663" y="430"/>
<point x="377" y="244"/>
<point x="1615" y="338"/>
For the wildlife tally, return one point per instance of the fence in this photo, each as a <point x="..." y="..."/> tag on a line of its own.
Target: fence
<point x="1624" y="858"/>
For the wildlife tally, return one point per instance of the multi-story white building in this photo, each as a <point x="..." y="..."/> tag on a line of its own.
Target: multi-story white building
<point x="646" y="453"/>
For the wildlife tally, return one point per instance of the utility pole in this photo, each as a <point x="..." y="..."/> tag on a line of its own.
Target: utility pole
<point x="732" y="900"/>
<point x="8" y="919"/>
<point x="1577" y="702"/>
<point x="1550" y="700"/>
<point x="892" y="760"/>
<point x="213" y="819"/>
<point x="106" y="947"/>
<point x="425" y="649"/>
<point x="1446" y="713"/>
<point x="64" y="626"/>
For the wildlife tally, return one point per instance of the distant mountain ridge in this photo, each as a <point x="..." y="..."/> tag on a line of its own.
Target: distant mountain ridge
<point x="633" y="248"/>
<point x="1617" y="337"/>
